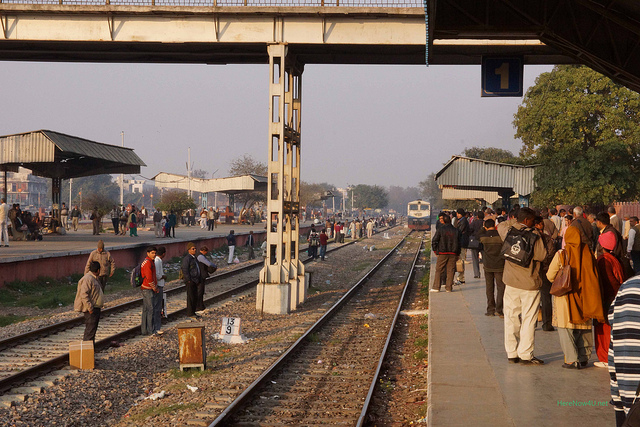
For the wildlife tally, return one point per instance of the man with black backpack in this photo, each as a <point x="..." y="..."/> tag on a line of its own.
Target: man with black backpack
<point x="523" y="250"/>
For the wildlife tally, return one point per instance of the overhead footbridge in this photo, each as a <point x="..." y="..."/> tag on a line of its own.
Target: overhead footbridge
<point x="230" y="185"/>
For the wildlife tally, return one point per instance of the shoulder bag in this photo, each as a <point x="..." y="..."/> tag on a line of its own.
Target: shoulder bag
<point x="633" y="416"/>
<point x="562" y="283"/>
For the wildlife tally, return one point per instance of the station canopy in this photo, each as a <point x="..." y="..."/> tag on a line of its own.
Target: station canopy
<point x="56" y="155"/>
<point x="466" y="178"/>
<point x="231" y="185"/>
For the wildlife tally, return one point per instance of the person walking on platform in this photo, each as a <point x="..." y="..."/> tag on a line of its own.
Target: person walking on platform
<point x="133" y="222"/>
<point x="107" y="264"/>
<point x="251" y="242"/>
<point x="614" y="219"/>
<point x="124" y="217"/>
<point x="370" y="229"/>
<point x="463" y="227"/>
<point x="89" y="301"/>
<point x="191" y="276"/>
<point x="158" y="298"/>
<point x="149" y="287"/>
<point x="493" y="264"/>
<point x="522" y="296"/>
<point x="545" y="295"/>
<point x="157" y="220"/>
<point x="115" y="219"/>
<point x="75" y="217"/>
<point x="475" y="228"/>
<point x="231" y="243"/>
<point x="210" y="219"/>
<point x="173" y="220"/>
<point x="4" y="219"/>
<point x="446" y="246"/>
<point x="633" y="244"/>
<point x="64" y="216"/>
<point x="206" y="268"/>
<point x="96" y="220"/>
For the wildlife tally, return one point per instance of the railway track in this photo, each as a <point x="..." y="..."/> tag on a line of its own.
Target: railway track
<point x="328" y="376"/>
<point x="27" y="356"/>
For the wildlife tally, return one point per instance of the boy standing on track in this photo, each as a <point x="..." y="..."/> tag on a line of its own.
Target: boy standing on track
<point x="89" y="301"/>
<point x="149" y="287"/>
<point x="158" y="298"/>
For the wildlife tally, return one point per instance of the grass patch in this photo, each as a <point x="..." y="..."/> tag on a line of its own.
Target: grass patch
<point x="161" y="410"/>
<point x="420" y="355"/>
<point x="313" y="337"/>
<point x="313" y="290"/>
<point x="422" y="342"/>
<point x="361" y="266"/>
<point x="422" y="410"/>
<point x="424" y="326"/>
<point x="10" y="319"/>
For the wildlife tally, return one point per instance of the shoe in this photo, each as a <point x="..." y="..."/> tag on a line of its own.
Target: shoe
<point x="199" y="313"/>
<point x="498" y="314"/>
<point x="489" y="314"/>
<point x="449" y="290"/>
<point x="513" y="359"/>
<point x="599" y="364"/>
<point x="574" y="365"/>
<point x="457" y="283"/>
<point x="158" y="333"/>
<point x="533" y="361"/>
<point x="548" y="328"/>
<point x="434" y="290"/>
<point x="476" y="277"/>
<point x="584" y="364"/>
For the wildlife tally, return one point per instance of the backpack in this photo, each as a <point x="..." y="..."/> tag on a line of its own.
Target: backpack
<point x="518" y="246"/>
<point x="136" y="276"/>
<point x="314" y="240"/>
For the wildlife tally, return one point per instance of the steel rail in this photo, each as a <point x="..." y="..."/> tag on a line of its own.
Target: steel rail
<point x="37" y="370"/>
<point x="234" y="406"/>
<point x="374" y="381"/>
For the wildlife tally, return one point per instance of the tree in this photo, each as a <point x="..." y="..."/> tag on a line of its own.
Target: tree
<point x="370" y="197"/>
<point x="492" y="154"/>
<point x="584" y="131"/>
<point x="96" y="184"/>
<point x="247" y="165"/>
<point x="102" y="201"/>
<point x="430" y="192"/>
<point x="399" y="197"/>
<point x="199" y="173"/>
<point x="311" y="194"/>
<point x="176" y="201"/>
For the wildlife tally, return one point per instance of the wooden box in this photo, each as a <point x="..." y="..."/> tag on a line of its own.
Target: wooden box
<point x="81" y="355"/>
<point x="191" y="345"/>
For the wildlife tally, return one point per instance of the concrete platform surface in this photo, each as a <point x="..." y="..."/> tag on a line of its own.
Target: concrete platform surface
<point x="471" y="382"/>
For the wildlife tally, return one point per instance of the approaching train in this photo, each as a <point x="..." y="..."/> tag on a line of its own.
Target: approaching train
<point x="419" y="215"/>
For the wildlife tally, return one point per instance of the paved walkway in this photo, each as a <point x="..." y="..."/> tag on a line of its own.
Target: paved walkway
<point x="472" y="384"/>
<point x="83" y="240"/>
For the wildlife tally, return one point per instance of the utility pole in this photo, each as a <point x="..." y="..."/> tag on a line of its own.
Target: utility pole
<point x="70" y="186"/>
<point x="189" y="169"/>
<point x="122" y="177"/>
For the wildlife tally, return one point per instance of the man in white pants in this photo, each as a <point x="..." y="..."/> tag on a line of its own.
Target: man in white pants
<point x="4" y="217"/>
<point x="522" y="298"/>
<point x="231" y="242"/>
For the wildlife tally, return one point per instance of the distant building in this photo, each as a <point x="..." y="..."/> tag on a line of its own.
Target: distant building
<point x="27" y="189"/>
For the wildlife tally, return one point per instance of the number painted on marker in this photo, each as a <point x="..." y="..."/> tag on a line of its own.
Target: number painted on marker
<point x="228" y="329"/>
<point x="503" y="72"/>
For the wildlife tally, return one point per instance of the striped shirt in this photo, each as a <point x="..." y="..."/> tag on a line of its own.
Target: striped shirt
<point x="624" y="349"/>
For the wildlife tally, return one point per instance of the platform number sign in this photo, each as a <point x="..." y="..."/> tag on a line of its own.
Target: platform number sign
<point x="502" y="76"/>
<point x="230" y="326"/>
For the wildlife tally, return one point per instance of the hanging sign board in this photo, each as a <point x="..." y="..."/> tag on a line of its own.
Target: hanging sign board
<point x="502" y="76"/>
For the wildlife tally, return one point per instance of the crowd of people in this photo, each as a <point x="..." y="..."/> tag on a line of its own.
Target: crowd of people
<point x="574" y="268"/>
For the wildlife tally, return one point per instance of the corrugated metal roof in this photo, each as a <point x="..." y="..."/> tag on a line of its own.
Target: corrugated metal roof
<point x="486" y="176"/>
<point x="449" y="193"/>
<point x="40" y="147"/>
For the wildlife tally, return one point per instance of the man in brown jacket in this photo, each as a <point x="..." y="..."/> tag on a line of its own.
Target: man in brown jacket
<point x="107" y="264"/>
<point x="522" y="297"/>
<point x="89" y="301"/>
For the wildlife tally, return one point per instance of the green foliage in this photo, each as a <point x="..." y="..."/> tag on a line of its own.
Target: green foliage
<point x="583" y="130"/>
<point x="430" y="192"/>
<point x="311" y="194"/>
<point x="97" y="184"/>
<point x="247" y="165"/>
<point x="370" y="197"/>
<point x="10" y="319"/>
<point x="492" y="154"/>
<point x="399" y="197"/>
<point x="102" y="201"/>
<point x="176" y="201"/>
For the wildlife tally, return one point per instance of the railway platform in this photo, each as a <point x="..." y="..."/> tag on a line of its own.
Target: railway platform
<point x="471" y="382"/>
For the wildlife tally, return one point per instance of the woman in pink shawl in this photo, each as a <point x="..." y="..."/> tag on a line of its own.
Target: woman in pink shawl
<point x="611" y="275"/>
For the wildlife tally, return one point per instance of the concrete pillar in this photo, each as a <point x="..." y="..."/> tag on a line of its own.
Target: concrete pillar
<point x="282" y="281"/>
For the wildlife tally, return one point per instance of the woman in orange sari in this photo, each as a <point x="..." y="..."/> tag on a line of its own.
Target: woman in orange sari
<point x="573" y="311"/>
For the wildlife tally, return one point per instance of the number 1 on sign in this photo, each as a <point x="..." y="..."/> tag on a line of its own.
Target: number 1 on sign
<point x="503" y="72"/>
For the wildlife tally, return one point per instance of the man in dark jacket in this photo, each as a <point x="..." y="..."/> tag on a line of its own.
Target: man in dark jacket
<point x="463" y="227"/>
<point x="493" y="264"/>
<point x="206" y="268"/>
<point x="192" y="277"/>
<point x="446" y="246"/>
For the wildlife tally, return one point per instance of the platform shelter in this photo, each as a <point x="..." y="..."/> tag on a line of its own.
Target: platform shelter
<point x="59" y="156"/>
<point x="466" y="178"/>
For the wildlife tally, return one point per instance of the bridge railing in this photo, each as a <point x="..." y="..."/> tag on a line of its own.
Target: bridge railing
<point x="264" y="3"/>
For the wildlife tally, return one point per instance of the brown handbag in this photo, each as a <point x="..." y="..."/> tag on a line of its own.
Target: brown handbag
<point x="562" y="283"/>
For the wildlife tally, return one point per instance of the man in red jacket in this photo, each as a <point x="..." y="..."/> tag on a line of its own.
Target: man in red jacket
<point x="149" y="287"/>
<point x="323" y="243"/>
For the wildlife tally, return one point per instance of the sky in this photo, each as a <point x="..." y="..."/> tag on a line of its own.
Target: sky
<point x="375" y="125"/>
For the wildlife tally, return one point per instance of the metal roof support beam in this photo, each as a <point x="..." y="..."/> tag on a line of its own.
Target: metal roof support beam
<point x="282" y="284"/>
